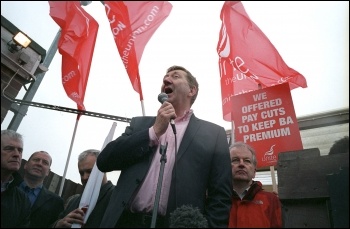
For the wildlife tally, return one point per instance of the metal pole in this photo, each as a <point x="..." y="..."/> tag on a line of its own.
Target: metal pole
<point x="21" y="110"/>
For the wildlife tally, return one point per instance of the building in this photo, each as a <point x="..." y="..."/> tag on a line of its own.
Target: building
<point x="21" y="68"/>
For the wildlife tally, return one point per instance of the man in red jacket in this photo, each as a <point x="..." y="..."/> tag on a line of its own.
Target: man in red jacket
<point x="251" y="205"/>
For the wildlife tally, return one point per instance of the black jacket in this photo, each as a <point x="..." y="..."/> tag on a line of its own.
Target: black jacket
<point x="96" y="215"/>
<point x="201" y="176"/>
<point x="45" y="209"/>
<point x="15" y="205"/>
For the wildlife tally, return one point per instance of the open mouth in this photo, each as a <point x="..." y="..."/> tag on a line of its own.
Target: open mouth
<point x="168" y="90"/>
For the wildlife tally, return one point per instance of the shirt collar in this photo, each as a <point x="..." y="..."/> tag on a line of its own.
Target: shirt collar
<point x="37" y="189"/>
<point x="185" y="117"/>
<point x="241" y="195"/>
<point x="5" y="185"/>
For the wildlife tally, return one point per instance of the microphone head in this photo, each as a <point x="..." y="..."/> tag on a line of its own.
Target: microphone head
<point x="187" y="216"/>
<point x="162" y="97"/>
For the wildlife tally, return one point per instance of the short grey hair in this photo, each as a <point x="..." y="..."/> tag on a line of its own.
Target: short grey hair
<point x="11" y="134"/>
<point x="248" y="147"/>
<point x="84" y="154"/>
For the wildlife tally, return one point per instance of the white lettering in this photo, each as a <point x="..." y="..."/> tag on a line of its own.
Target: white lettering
<point x="267" y="135"/>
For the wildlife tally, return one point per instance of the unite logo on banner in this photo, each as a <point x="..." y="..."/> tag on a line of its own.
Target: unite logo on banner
<point x="266" y="120"/>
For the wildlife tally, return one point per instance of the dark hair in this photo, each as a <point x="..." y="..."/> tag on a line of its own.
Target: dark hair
<point x="340" y="146"/>
<point x="192" y="81"/>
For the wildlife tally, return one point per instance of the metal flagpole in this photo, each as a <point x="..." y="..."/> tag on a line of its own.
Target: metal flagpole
<point x="68" y="158"/>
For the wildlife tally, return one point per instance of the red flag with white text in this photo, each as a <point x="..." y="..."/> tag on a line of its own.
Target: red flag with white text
<point x="76" y="45"/>
<point x="132" y="24"/>
<point x="247" y="58"/>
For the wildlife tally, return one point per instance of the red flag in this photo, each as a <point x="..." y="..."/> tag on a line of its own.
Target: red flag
<point x="247" y="58"/>
<point x="133" y="24"/>
<point x="76" y="45"/>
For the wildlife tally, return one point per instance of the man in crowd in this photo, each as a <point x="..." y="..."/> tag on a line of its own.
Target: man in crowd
<point x="46" y="205"/>
<point x="252" y="207"/>
<point x="73" y="214"/>
<point x="15" y="205"/>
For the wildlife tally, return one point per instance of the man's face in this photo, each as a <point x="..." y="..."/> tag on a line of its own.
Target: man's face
<point x="38" y="166"/>
<point x="176" y="86"/>
<point x="242" y="165"/>
<point x="11" y="154"/>
<point x="85" y="167"/>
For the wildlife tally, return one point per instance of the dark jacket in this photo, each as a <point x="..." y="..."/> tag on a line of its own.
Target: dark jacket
<point x="202" y="167"/>
<point x="96" y="215"/>
<point x="45" y="209"/>
<point x="15" y="206"/>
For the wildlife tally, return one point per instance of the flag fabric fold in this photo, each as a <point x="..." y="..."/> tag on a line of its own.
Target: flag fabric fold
<point x="93" y="186"/>
<point x="76" y="45"/>
<point x="132" y="24"/>
<point x="247" y="59"/>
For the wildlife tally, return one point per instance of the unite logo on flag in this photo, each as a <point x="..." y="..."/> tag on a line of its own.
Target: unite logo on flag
<point x="247" y="59"/>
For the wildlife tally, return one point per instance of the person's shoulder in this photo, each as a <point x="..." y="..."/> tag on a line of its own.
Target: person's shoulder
<point x="207" y="123"/>
<point x="109" y="183"/>
<point x="137" y="118"/>
<point x="143" y="120"/>
<point x="21" y="195"/>
<point x="73" y="199"/>
<point x="17" y="179"/>
<point x="52" y="194"/>
<point x="270" y="194"/>
<point x="108" y="187"/>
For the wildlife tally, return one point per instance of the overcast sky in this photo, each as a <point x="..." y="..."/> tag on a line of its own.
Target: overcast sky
<point x="312" y="38"/>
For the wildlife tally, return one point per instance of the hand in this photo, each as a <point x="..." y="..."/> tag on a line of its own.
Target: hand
<point x="165" y="113"/>
<point x="75" y="216"/>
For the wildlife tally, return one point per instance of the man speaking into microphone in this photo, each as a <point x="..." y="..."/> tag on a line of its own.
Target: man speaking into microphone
<point x="197" y="171"/>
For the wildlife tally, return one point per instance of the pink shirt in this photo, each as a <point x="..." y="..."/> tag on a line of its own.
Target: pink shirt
<point x="144" y="199"/>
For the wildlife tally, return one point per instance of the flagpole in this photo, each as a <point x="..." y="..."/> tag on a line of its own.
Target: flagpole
<point x="82" y="3"/>
<point x="273" y="178"/>
<point x="68" y="158"/>
<point x="141" y="97"/>
<point x="143" y="108"/>
<point x="232" y="132"/>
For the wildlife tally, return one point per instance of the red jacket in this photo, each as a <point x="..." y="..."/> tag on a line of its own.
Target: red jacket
<point x="257" y="209"/>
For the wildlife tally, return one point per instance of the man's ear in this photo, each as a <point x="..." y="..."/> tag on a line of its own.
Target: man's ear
<point x="48" y="172"/>
<point x="193" y="91"/>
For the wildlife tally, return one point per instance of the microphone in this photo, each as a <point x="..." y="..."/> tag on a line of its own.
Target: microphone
<point x="187" y="216"/>
<point x="162" y="97"/>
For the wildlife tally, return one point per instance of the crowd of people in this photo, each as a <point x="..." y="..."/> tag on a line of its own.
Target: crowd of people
<point x="205" y="182"/>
